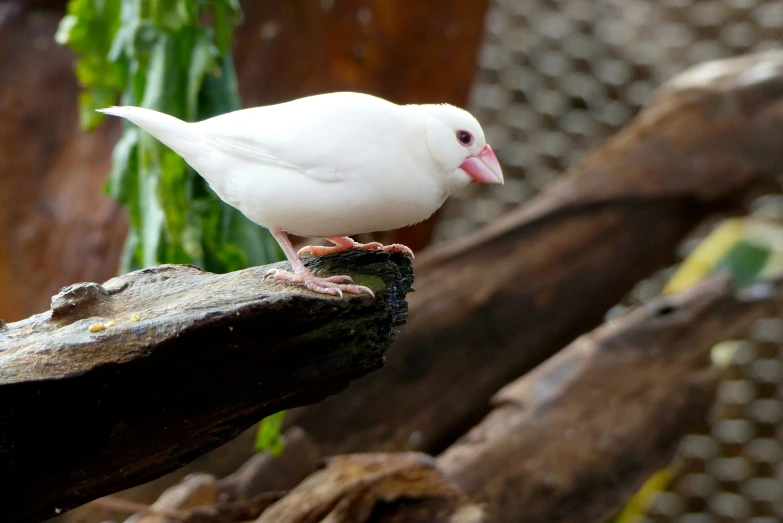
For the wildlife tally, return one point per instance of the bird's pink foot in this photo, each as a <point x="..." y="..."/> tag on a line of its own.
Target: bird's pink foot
<point x="344" y="243"/>
<point x="333" y="285"/>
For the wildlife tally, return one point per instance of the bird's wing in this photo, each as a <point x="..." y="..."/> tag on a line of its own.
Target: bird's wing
<point x="249" y="147"/>
<point x="240" y="145"/>
<point x="322" y="137"/>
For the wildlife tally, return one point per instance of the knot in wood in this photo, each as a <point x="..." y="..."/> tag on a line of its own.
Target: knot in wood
<point x="80" y="296"/>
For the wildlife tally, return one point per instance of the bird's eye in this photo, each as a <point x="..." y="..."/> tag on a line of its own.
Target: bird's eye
<point x="464" y="137"/>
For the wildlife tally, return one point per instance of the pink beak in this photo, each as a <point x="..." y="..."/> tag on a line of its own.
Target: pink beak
<point x="484" y="167"/>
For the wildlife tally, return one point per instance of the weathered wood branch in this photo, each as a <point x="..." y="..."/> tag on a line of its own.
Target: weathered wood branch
<point x="190" y="360"/>
<point x="569" y="442"/>
<point x="493" y="305"/>
<point x="573" y="440"/>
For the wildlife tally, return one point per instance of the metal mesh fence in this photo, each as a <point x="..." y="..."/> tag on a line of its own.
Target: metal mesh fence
<point x="555" y="79"/>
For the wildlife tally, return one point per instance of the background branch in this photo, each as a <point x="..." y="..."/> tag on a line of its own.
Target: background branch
<point x="575" y="438"/>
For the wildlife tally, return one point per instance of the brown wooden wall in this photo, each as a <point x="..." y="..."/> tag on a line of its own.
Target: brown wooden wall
<point x="58" y="227"/>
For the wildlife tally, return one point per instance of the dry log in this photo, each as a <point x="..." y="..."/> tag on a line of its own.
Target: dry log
<point x="232" y="511"/>
<point x="240" y="496"/>
<point x="195" y="490"/>
<point x="359" y="488"/>
<point x="569" y="442"/>
<point x="490" y="307"/>
<point x="572" y="440"/>
<point x="382" y="488"/>
<point x="87" y="412"/>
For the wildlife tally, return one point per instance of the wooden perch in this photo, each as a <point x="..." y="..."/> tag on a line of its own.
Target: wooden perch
<point x="122" y="382"/>
<point x="574" y="439"/>
<point x="493" y="305"/>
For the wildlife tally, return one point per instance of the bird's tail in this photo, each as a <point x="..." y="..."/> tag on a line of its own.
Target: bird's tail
<point x="180" y="136"/>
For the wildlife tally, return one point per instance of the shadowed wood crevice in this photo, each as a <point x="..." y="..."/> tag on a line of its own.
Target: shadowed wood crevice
<point x="185" y="360"/>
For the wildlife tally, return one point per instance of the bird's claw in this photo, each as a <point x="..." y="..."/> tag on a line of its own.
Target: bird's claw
<point x="339" y="279"/>
<point x="332" y="285"/>
<point x="398" y="247"/>
<point x="320" y="250"/>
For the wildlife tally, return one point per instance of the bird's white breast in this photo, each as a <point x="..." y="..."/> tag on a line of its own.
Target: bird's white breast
<point x="288" y="200"/>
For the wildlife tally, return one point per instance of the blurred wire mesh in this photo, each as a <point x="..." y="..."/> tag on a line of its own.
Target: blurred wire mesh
<point x="555" y="79"/>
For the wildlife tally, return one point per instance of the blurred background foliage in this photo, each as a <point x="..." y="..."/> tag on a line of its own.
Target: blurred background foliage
<point x="173" y="56"/>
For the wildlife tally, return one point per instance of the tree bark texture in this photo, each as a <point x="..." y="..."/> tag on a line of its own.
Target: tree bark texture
<point x="122" y="382"/>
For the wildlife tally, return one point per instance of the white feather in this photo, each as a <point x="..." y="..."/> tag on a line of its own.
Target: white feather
<point x="328" y="165"/>
<point x="173" y="132"/>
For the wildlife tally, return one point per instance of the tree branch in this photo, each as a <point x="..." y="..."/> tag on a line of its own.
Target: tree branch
<point x="573" y="440"/>
<point x="185" y="361"/>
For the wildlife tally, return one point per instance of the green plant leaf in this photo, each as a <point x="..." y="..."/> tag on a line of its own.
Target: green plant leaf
<point x="65" y="28"/>
<point x="202" y="62"/>
<point x="122" y="181"/>
<point x="227" y="14"/>
<point x="89" y="28"/>
<point x="744" y="261"/>
<point x="268" y="437"/>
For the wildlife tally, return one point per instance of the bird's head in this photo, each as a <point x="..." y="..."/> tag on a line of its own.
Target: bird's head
<point x="457" y="143"/>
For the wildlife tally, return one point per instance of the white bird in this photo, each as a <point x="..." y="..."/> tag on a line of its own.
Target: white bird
<point x="331" y="166"/>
